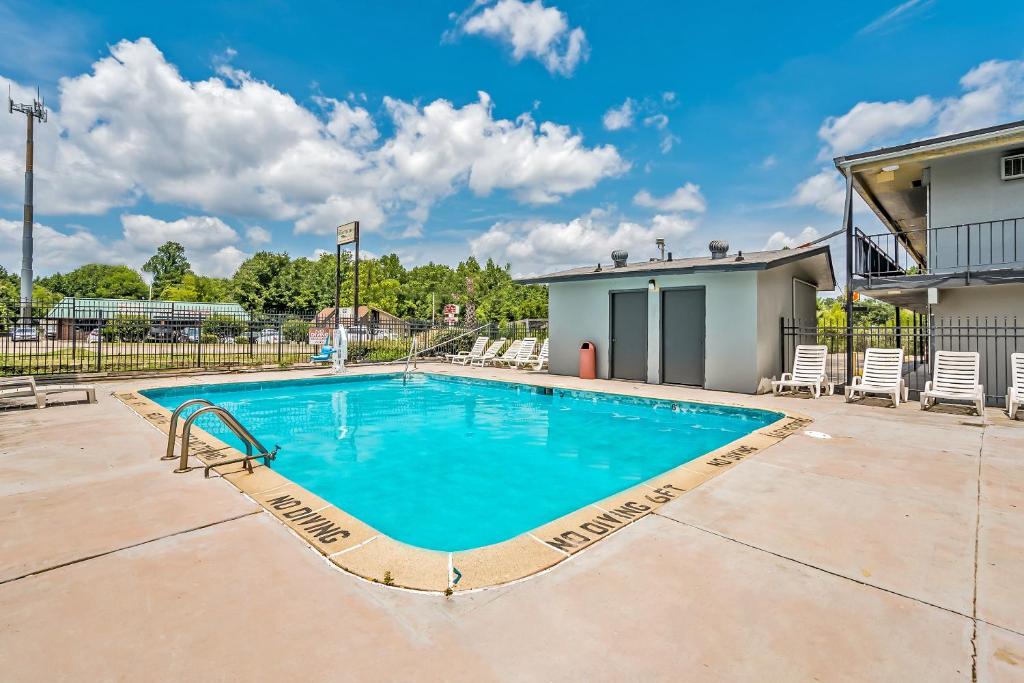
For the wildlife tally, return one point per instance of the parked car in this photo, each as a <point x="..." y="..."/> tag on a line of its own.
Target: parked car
<point x="162" y="333"/>
<point x="94" y="336"/>
<point x="189" y="335"/>
<point x="25" y="334"/>
<point x="268" y="337"/>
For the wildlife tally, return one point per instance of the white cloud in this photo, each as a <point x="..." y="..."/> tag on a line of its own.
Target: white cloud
<point x="617" y="118"/>
<point x="993" y="93"/>
<point x="257" y="235"/>
<point x="780" y="240"/>
<point x="668" y="97"/>
<point x="209" y="242"/>
<point x="54" y="249"/>
<point x="531" y="30"/>
<point x="867" y="122"/>
<point x="232" y="144"/>
<point x="533" y="247"/>
<point x="769" y="162"/>
<point x="896" y="16"/>
<point x="686" y="198"/>
<point x="658" y="121"/>
<point x="824" y="190"/>
<point x="668" y="141"/>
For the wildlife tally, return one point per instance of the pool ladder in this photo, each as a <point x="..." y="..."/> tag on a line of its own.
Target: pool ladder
<point x="229" y="420"/>
<point x="409" y="359"/>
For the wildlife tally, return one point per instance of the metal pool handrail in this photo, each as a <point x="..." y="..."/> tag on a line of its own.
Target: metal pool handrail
<point x="172" y="432"/>
<point x="230" y="422"/>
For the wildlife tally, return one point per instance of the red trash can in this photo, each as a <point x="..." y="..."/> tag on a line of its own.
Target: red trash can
<point x="588" y="361"/>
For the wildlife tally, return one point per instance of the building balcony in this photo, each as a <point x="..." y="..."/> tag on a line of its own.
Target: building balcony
<point x="986" y="251"/>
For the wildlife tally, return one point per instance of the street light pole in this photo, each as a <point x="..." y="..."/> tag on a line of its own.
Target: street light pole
<point x="33" y="111"/>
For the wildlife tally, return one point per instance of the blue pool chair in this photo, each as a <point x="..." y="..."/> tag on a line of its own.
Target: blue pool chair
<point x="325" y="355"/>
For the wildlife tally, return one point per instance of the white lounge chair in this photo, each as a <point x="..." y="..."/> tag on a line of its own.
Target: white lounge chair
<point x="538" y="360"/>
<point x="525" y="350"/>
<point x="955" y="379"/>
<point x="463" y="357"/>
<point x="17" y="387"/>
<point x="511" y="352"/>
<point x="808" y="372"/>
<point x="490" y="354"/>
<point x="882" y="374"/>
<point x="1015" y="392"/>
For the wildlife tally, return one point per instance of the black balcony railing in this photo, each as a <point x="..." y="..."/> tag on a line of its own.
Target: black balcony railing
<point x="953" y="249"/>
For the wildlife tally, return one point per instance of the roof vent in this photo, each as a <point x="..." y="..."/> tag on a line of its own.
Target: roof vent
<point x="619" y="256"/>
<point x="719" y="248"/>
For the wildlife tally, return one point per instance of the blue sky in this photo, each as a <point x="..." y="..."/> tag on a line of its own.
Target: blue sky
<point x="234" y="127"/>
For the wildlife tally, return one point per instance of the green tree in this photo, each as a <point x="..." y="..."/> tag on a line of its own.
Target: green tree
<point x="168" y="266"/>
<point x="221" y="325"/>
<point x="259" y="285"/>
<point x="99" y="280"/>
<point x="199" y="288"/>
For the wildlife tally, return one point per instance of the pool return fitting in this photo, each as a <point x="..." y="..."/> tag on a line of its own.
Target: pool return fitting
<point x="229" y="420"/>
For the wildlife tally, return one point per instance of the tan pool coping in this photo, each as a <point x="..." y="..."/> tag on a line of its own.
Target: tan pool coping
<point x="361" y="550"/>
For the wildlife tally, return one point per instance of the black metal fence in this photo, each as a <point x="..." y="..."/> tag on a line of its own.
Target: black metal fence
<point x="97" y="336"/>
<point x="993" y="338"/>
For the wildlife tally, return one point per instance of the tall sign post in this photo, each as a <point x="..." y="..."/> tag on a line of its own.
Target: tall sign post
<point x="33" y="111"/>
<point x="347" y="234"/>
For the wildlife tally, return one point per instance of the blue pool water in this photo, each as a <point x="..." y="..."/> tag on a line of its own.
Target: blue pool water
<point x="451" y="464"/>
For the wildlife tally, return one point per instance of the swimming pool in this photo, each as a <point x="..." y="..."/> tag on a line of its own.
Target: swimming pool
<point x="449" y="463"/>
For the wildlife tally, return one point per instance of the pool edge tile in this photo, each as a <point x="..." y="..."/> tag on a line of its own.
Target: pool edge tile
<point x="407" y="566"/>
<point x="504" y="562"/>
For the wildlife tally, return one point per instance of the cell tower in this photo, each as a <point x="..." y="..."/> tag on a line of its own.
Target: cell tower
<point x="36" y="110"/>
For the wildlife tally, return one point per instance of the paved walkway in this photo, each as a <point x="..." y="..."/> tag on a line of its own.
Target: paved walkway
<point x="892" y="551"/>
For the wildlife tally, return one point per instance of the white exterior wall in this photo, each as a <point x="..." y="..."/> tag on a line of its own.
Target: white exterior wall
<point x="966" y="189"/>
<point x="774" y="302"/>
<point x="982" y="300"/>
<point x="580" y="311"/>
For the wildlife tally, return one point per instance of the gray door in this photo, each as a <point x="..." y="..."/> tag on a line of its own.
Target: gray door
<point x="682" y="336"/>
<point x="629" y="335"/>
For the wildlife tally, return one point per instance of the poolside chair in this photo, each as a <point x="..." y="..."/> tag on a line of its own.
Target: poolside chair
<point x="955" y="379"/>
<point x="1015" y="391"/>
<point x="16" y="387"/>
<point x="511" y="352"/>
<point x="525" y="350"/>
<point x="808" y="371"/>
<point x="325" y="355"/>
<point x="490" y="354"/>
<point x="538" y="359"/>
<point x="882" y="374"/>
<point x="463" y="357"/>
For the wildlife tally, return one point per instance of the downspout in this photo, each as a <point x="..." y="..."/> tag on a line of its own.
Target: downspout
<point x="848" y="226"/>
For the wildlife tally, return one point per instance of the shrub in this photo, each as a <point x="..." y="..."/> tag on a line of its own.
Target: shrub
<point x="207" y="338"/>
<point x="125" y="327"/>
<point x="220" y="325"/>
<point x="294" y="331"/>
<point x="242" y="339"/>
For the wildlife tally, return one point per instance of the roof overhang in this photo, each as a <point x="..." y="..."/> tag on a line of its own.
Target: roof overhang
<point x="893" y="180"/>
<point x="819" y="260"/>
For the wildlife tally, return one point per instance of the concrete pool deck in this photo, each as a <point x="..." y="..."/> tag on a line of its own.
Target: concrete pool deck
<point x="892" y="551"/>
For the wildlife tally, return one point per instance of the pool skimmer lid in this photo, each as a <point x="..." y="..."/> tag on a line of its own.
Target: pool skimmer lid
<point x="818" y="435"/>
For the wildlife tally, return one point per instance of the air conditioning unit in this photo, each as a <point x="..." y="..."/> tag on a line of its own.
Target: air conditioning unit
<point x="1013" y="167"/>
